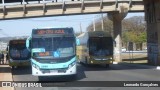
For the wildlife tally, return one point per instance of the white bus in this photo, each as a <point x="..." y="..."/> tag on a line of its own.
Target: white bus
<point x="53" y="51"/>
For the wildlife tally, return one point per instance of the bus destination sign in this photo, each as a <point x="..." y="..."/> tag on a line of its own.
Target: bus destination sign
<point x="18" y="42"/>
<point x="42" y="32"/>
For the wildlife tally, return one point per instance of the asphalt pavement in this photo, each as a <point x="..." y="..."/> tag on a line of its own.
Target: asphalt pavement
<point x="117" y="72"/>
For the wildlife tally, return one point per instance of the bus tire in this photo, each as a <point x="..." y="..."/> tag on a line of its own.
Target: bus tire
<point x="14" y="67"/>
<point x="41" y="78"/>
<point x="79" y="62"/>
<point x="107" y="65"/>
<point x="86" y="60"/>
<point x="73" y="77"/>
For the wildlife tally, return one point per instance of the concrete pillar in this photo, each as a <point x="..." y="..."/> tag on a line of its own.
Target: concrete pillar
<point x="117" y="27"/>
<point x="117" y="18"/>
<point x="152" y="17"/>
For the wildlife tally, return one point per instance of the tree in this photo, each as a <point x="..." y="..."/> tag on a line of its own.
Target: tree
<point x="133" y="29"/>
<point x="108" y="25"/>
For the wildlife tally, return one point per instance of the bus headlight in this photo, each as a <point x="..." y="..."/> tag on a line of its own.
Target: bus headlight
<point x="10" y="60"/>
<point x="72" y="64"/>
<point x="36" y="66"/>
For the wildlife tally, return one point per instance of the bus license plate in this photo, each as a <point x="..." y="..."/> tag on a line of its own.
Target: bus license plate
<point x="53" y="71"/>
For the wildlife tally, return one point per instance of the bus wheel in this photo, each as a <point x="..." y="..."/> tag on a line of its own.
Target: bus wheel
<point x="73" y="77"/>
<point x="86" y="62"/>
<point x="79" y="62"/>
<point x="41" y="78"/>
<point x="107" y="65"/>
<point x="14" y="67"/>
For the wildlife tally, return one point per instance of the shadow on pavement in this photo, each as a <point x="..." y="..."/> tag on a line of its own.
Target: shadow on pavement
<point x="120" y="66"/>
<point x="94" y="67"/>
<point x="130" y="66"/>
<point x="5" y="69"/>
<point x="21" y="70"/>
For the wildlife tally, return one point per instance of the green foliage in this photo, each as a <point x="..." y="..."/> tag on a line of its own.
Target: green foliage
<point x="133" y="30"/>
<point x="108" y="25"/>
<point x="135" y="37"/>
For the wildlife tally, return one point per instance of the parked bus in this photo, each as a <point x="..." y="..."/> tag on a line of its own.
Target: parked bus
<point x="53" y="51"/>
<point x="95" y="47"/>
<point x="18" y="54"/>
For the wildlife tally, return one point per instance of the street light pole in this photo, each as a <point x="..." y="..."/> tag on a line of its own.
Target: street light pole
<point x="0" y="42"/>
<point x="94" y="26"/>
<point x="102" y="22"/>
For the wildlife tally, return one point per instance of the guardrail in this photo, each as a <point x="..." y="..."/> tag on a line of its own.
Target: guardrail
<point x="51" y="7"/>
<point x="20" y="2"/>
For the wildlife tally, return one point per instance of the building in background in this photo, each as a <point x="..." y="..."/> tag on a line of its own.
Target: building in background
<point x="3" y="46"/>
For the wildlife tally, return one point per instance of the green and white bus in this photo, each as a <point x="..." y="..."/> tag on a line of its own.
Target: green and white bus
<point x="53" y="51"/>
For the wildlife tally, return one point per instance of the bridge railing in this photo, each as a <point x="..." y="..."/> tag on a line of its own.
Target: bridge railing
<point x="20" y="2"/>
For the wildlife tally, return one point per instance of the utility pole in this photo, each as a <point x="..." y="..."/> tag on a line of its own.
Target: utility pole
<point x="102" y="22"/>
<point x="94" y="26"/>
<point x="81" y="28"/>
<point x="0" y="44"/>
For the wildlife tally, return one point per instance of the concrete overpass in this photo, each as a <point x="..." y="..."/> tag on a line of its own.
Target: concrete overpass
<point x="68" y="8"/>
<point x="116" y="9"/>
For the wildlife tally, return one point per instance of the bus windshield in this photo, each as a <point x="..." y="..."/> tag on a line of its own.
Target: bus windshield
<point x="53" y="47"/>
<point x="100" y="46"/>
<point x="19" y="52"/>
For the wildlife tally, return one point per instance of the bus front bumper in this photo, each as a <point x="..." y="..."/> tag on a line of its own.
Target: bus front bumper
<point x="55" y="72"/>
<point x="100" y="61"/>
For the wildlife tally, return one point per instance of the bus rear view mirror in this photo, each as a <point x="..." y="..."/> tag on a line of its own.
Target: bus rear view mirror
<point x="77" y="42"/>
<point x="28" y="43"/>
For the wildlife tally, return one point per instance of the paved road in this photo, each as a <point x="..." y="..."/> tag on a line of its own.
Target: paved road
<point x="120" y="72"/>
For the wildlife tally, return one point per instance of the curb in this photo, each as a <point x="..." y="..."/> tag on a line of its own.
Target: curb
<point x="6" y="75"/>
<point x="138" y="65"/>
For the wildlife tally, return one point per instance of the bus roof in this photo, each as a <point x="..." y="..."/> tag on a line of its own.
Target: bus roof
<point x="49" y="28"/>
<point x="18" y="39"/>
<point x="52" y="31"/>
<point x="95" y="34"/>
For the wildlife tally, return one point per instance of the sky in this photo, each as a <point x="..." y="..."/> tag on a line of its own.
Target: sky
<point x="23" y="27"/>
